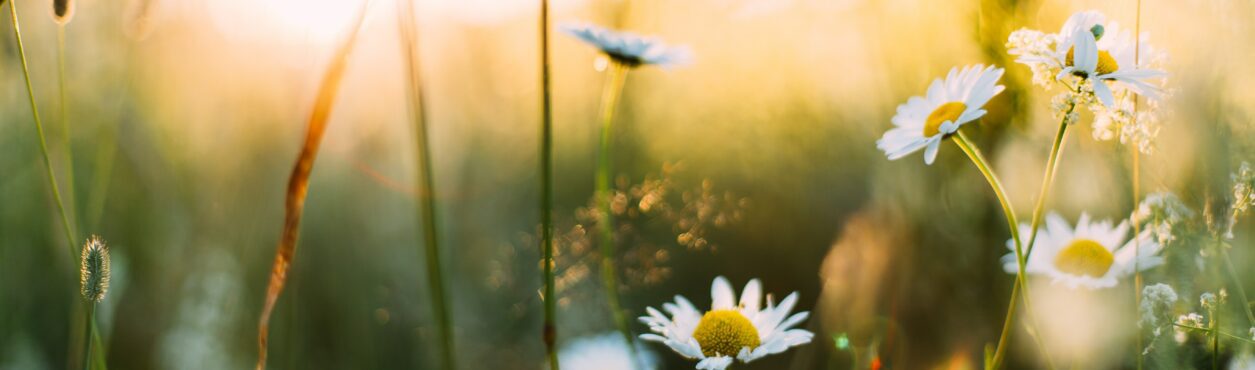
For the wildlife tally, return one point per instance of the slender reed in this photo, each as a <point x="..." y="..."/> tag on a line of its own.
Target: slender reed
<point x="66" y="226"/>
<point x="1020" y="282"/>
<point x="549" y="333"/>
<point x="615" y="78"/>
<point x="1137" y="181"/>
<point x="62" y="13"/>
<point x="298" y="183"/>
<point x="426" y="189"/>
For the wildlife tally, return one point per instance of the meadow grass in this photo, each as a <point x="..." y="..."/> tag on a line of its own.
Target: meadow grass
<point x="426" y="189"/>
<point x="298" y="181"/>
<point x="91" y="333"/>
<point x="616" y="76"/>
<point x="549" y="329"/>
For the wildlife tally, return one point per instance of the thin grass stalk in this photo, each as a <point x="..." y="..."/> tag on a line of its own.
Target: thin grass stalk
<point x="67" y="144"/>
<point x="1215" y="336"/>
<point x="615" y="78"/>
<point x="426" y="188"/>
<point x="1237" y="283"/>
<point x="1020" y="282"/>
<point x="66" y="226"/>
<point x="1137" y="181"/>
<point x="549" y="332"/>
<point x="87" y="339"/>
<point x="298" y="183"/>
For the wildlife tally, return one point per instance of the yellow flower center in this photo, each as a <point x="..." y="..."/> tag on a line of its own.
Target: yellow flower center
<point x="1106" y="64"/>
<point x="724" y="333"/>
<point x="1085" y="257"/>
<point x="946" y="112"/>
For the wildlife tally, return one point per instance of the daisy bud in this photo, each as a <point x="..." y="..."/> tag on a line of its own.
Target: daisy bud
<point x="1097" y="30"/>
<point x="94" y="270"/>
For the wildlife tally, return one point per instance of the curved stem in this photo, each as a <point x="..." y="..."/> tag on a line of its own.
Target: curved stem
<point x="549" y="332"/>
<point x="66" y="226"/>
<point x="1052" y="166"/>
<point x="616" y="76"/>
<point x="1021" y="287"/>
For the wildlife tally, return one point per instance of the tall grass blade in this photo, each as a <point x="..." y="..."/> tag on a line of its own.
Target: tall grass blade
<point x="298" y="183"/>
<point x="427" y="210"/>
<point x="549" y="332"/>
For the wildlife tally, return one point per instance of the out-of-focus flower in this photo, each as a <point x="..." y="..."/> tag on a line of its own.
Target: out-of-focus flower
<point x="628" y="48"/>
<point x="1089" y="256"/>
<point x="746" y="330"/>
<point x="1211" y="301"/>
<point x="1090" y="51"/>
<point x="923" y="122"/>
<point x="1243" y="361"/>
<point x="1122" y="120"/>
<point x="1243" y="195"/>
<point x="1160" y="212"/>
<point x="1156" y="308"/>
<point x="605" y="352"/>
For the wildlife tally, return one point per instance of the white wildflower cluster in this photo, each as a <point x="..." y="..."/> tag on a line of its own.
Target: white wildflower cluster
<point x="1243" y="195"/>
<point x="1104" y="68"/>
<point x="1036" y="50"/>
<point x="1156" y="308"/>
<point x="1124" y="120"/>
<point x="1159" y="212"/>
<point x="1211" y="301"/>
<point x="1063" y="106"/>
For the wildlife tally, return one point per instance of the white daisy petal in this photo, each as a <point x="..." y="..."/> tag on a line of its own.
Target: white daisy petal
<point x="721" y="294"/>
<point x="1092" y="255"/>
<point x="715" y="363"/>
<point x="687" y="328"/>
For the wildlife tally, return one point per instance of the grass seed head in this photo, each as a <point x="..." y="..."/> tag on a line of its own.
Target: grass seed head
<point x="94" y="269"/>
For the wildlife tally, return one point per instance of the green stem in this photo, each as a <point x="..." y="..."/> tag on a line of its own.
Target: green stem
<point x="1210" y="332"/>
<point x="1215" y="337"/>
<point x="1052" y="166"/>
<point x="549" y="333"/>
<point x="1237" y="283"/>
<point x="981" y="164"/>
<point x="616" y="76"/>
<point x="67" y="145"/>
<point x="426" y="186"/>
<point x="43" y="143"/>
<point x="43" y="147"/>
<point x="87" y="339"/>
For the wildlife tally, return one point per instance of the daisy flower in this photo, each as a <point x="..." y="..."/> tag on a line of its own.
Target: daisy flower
<point x="605" y="352"/>
<point x="1093" y="50"/>
<point x="1089" y="256"/>
<point x="923" y="122"/>
<point x="747" y="330"/>
<point x="628" y="48"/>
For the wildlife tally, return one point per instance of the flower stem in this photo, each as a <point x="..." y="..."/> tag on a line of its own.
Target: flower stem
<point x="1210" y="332"/>
<point x="1020" y="284"/>
<point x="1215" y="337"/>
<point x="426" y="187"/>
<point x="616" y="76"/>
<point x="87" y="339"/>
<point x="66" y="226"/>
<point x="1237" y="283"/>
<point x="549" y="332"/>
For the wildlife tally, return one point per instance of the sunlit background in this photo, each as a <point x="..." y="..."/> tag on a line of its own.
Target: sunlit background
<point x="186" y="116"/>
